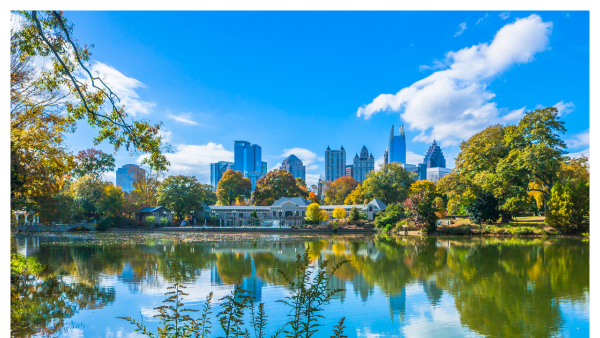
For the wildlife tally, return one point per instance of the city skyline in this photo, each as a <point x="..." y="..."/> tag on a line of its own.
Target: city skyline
<point x="238" y="88"/>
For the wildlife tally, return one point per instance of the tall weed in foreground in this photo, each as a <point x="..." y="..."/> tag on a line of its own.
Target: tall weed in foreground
<point x="309" y="293"/>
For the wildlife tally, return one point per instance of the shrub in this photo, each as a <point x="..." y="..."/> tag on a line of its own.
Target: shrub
<point x="103" y="224"/>
<point x="390" y="216"/>
<point x="164" y="221"/>
<point x="150" y="221"/>
<point x="569" y="206"/>
<point x="22" y="267"/>
<point x="354" y="214"/>
<point x="483" y="208"/>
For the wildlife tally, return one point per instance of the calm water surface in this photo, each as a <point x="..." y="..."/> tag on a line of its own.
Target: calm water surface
<point x="394" y="287"/>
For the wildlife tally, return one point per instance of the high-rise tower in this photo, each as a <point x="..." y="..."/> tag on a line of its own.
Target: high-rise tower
<point x="247" y="157"/>
<point x="294" y="166"/>
<point x="335" y="164"/>
<point x="434" y="157"/>
<point x="362" y="164"/>
<point x="396" y="150"/>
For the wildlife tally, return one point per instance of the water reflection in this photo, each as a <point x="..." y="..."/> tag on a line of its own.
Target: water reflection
<point x="494" y="287"/>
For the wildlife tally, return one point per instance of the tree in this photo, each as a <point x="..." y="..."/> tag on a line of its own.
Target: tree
<point x="422" y="184"/>
<point x="421" y="208"/>
<point x="483" y="208"/>
<point x="145" y="185"/>
<point x="48" y="34"/>
<point x="181" y="194"/>
<point x="324" y="216"/>
<point x="275" y="185"/>
<point x="87" y="192"/>
<point x="132" y="202"/>
<point x="150" y="221"/>
<point x="301" y="183"/>
<point x="313" y="197"/>
<point x="389" y="217"/>
<point x="314" y="213"/>
<point x="339" y="189"/>
<point x="357" y="196"/>
<point x="569" y="206"/>
<point x="339" y="213"/>
<point x="111" y="201"/>
<point x="210" y="198"/>
<point x="231" y="186"/>
<point x="93" y="162"/>
<point x="390" y="183"/>
<point x="354" y="214"/>
<point x="440" y="206"/>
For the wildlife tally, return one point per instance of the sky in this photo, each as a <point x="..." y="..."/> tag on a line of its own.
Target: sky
<point x="298" y="82"/>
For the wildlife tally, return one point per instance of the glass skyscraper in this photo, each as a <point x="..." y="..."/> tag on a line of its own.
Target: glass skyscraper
<point x="247" y="157"/>
<point x="217" y="170"/>
<point x="396" y="150"/>
<point x="434" y="157"/>
<point x="295" y="166"/>
<point x="335" y="164"/>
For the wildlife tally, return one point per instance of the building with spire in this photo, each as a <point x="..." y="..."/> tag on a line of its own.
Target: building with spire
<point x="294" y="166"/>
<point x="396" y="150"/>
<point x="362" y="164"/>
<point x="335" y="164"/>
<point x="436" y="163"/>
<point x="434" y="157"/>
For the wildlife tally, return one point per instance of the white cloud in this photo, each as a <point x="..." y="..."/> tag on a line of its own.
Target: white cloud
<point x="412" y="158"/>
<point x="378" y="162"/>
<point x="183" y="118"/>
<point x="455" y="103"/>
<point x="581" y="139"/>
<point x="312" y="179"/>
<point x="461" y="28"/>
<point x="195" y="160"/>
<point x="516" y="114"/>
<point x="165" y="134"/>
<point x="564" y="108"/>
<point x="124" y="87"/>
<point x="504" y="15"/>
<point x="578" y="154"/>
<point x="111" y="177"/>
<point x="481" y="19"/>
<point x="276" y="166"/>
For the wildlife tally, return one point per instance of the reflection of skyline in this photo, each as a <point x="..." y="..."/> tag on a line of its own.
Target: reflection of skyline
<point x="463" y="273"/>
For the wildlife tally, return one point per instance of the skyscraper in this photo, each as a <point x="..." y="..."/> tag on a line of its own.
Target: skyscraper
<point x="396" y="150"/>
<point x="295" y="166"/>
<point x="335" y="164"/>
<point x="434" y="157"/>
<point x="126" y="176"/>
<point x="362" y="164"/>
<point x="217" y="170"/>
<point x="349" y="170"/>
<point x="247" y="157"/>
<point x="264" y="168"/>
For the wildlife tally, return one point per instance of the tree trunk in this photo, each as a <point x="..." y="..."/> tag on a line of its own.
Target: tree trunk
<point x="506" y="217"/>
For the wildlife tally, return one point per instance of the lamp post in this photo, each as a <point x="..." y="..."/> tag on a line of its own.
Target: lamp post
<point x="193" y="218"/>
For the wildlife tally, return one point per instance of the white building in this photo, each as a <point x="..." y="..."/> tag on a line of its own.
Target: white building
<point x="435" y="174"/>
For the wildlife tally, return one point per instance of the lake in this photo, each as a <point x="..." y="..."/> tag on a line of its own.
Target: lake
<point x="394" y="286"/>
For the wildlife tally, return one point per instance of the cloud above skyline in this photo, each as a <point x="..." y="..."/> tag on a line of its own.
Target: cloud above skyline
<point x="461" y="28"/>
<point x="454" y="103"/>
<point x="125" y="87"/>
<point x="183" y="118"/>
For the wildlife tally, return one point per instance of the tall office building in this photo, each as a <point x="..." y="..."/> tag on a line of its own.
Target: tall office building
<point x="295" y="166"/>
<point x="362" y="164"/>
<point x="247" y="157"/>
<point x="434" y="157"/>
<point x="264" y="168"/>
<point x="396" y="150"/>
<point x="126" y="176"/>
<point x="254" y="177"/>
<point x="335" y="164"/>
<point x="217" y="170"/>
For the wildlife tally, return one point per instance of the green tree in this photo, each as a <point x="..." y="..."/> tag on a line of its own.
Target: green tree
<point x="87" y="192"/>
<point x="354" y="214"/>
<point x="484" y="208"/>
<point x="181" y="194"/>
<point x="390" y="183"/>
<point x="93" y="162"/>
<point x="231" y="186"/>
<point x="301" y="183"/>
<point x="339" y="189"/>
<point x="111" y="201"/>
<point x="569" y="206"/>
<point x="389" y="217"/>
<point x="275" y="185"/>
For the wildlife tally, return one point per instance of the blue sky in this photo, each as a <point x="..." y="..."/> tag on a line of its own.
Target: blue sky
<point x="296" y="82"/>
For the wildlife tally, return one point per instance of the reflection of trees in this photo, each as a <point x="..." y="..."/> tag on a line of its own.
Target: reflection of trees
<point x="42" y="306"/>
<point x="233" y="267"/>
